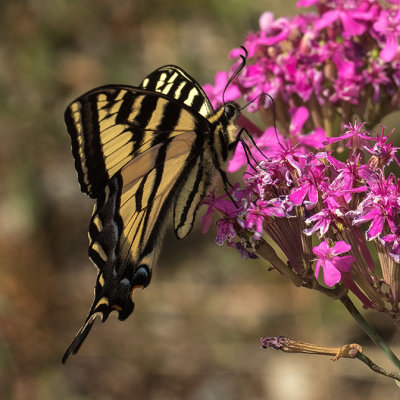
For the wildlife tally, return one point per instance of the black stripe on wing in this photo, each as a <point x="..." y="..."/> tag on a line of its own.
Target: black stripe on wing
<point x="141" y="120"/>
<point x="190" y="195"/>
<point x="83" y="128"/>
<point x="159" y="174"/>
<point x="169" y="121"/>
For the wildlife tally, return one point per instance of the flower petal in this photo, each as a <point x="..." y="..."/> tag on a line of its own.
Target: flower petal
<point x="343" y="263"/>
<point x="389" y="51"/>
<point x="340" y="247"/>
<point x="331" y="274"/>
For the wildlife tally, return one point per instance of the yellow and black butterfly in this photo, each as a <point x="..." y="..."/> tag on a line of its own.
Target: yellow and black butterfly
<point x="143" y="152"/>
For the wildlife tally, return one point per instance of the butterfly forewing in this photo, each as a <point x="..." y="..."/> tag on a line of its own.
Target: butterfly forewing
<point x="141" y="152"/>
<point x="109" y="126"/>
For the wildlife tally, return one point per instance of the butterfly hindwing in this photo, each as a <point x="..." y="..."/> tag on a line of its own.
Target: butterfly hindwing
<point x="189" y="198"/>
<point x="128" y="219"/>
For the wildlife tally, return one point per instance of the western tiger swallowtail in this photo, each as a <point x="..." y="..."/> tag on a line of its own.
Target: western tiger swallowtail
<point x="143" y="152"/>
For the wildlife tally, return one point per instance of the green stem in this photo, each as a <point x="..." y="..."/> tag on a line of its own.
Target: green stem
<point x="373" y="335"/>
<point x="362" y="357"/>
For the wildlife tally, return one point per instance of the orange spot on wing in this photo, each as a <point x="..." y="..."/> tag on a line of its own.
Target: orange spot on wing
<point x="136" y="287"/>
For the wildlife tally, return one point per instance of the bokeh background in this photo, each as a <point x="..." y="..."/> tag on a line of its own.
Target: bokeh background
<point x="195" y="331"/>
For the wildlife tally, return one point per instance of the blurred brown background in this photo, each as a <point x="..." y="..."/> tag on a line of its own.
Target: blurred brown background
<point x="195" y="331"/>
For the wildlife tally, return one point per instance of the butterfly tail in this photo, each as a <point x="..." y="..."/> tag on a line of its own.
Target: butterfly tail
<point x="103" y="305"/>
<point x="100" y="307"/>
<point x="79" y="337"/>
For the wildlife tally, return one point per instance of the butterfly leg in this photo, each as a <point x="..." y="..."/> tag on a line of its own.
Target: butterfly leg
<point x="226" y="182"/>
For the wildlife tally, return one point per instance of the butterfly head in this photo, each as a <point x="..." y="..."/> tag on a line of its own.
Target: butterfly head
<point x="231" y="111"/>
<point x="229" y="115"/>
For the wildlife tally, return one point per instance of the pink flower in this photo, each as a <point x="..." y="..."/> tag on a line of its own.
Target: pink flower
<point x="352" y="18"/>
<point x="216" y="204"/>
<point x="257" y="212"/>
<point x="307" y="190"/>
<point x="348" y="175"/>
<point x="388" y="24"/>
<point x="394" y="240"/>
<point x="306" y="3"/>
<point x="377" y="76"/>
<point x="323" y="220"/>
<point x="313" y="139"/>
<point x="380" y="206"/>
<point x="383" y="149"/>
<point x="273" y="31"/>
<point x="355" y="133"/>
<point x="225" y="231"/>
<point x="331" y="263"/>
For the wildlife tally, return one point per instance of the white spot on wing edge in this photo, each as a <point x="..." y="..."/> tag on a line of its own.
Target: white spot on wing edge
<point x="167" y="88"/>
<point x="161" y="81"/>
<point x="145" y="82"/>
<point x="178" y="90"/>
<point x="204" y="111"/>
<point x="192" y="94"/>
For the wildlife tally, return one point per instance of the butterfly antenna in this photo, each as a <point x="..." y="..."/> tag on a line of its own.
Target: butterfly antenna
<point x="236" y="72"/>
<point x="274" y="121"/>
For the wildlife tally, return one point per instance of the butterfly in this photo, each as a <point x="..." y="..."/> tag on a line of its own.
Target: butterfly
<point x="143" y="153"/>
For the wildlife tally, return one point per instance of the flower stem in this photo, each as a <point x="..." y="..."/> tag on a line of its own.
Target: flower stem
<point x="367" y="361"/>
<point x="373" y="335"/>
<point x="266" y="251"/>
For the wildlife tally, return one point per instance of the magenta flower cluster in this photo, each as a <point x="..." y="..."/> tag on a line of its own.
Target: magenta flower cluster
<point x="342" y="203"/>
<point x="321" y="189"/>
<point x="344" y="54"/>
